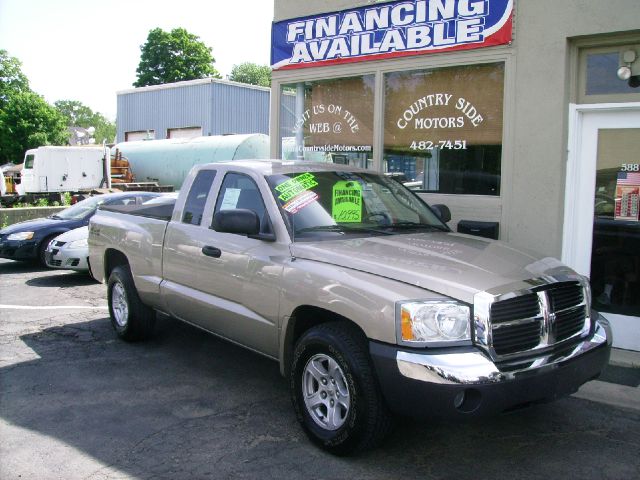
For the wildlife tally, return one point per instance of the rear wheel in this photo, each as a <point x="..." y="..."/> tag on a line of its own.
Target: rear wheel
<point x="131" y="319"/>
<point x="335" y="392"/>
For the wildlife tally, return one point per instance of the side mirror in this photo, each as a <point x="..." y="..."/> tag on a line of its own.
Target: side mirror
<point x="238" y="220"/>
<point x="442" y="212"/>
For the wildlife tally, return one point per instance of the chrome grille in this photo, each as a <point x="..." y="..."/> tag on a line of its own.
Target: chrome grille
<point x="523" y="321"/>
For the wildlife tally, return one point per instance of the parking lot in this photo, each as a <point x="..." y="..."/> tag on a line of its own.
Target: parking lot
<point x="77" y="403"/>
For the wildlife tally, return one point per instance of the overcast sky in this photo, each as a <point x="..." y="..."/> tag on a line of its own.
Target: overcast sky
<point x="88" y="50"/>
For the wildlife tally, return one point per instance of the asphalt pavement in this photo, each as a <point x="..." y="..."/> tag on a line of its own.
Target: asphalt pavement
<point x="77" y="403"/>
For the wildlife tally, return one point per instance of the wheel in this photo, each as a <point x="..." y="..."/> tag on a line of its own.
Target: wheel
<point x="131" y="319"/>
<point x="42" y="250"/>
<point x="335" y="392"/>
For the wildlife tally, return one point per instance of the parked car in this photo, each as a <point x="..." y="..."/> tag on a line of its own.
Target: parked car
<point x="28" y="241"/>
<point x="70" y="250"/>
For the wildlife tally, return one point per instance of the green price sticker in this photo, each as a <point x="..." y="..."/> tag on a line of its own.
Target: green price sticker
<point x="295" y="186"/>
<point x="347" y="202"/>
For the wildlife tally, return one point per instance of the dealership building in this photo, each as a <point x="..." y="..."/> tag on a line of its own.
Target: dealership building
<point x="523" y="117"/>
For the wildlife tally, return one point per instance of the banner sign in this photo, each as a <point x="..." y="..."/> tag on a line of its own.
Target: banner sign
<point x="388" y="30"/>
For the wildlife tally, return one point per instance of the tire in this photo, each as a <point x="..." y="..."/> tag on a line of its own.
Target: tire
<point x="42" y="250"/>
<point x="335" y="392"/>
<point x="131" y="319"/>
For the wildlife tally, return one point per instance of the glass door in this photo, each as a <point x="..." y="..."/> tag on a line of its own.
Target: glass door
<point x="615" y="253"/>
<point x="601" y="237"/>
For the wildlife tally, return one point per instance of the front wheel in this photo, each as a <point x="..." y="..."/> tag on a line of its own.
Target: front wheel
<point x="131" y="319"/>
<point x="335" y="392"/>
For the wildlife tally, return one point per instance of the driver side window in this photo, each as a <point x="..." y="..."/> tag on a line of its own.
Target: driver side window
<point x="240" y="191"/>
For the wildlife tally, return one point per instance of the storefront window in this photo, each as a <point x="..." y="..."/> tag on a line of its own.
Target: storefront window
<point x="328" y="121"/>
<point x="443" y="129"/>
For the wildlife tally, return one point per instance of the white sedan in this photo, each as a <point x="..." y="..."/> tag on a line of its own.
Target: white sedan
<point x="69" y="250"/>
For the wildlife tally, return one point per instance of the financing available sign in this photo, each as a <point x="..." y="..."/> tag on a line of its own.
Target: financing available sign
<point x="391" y="29"/>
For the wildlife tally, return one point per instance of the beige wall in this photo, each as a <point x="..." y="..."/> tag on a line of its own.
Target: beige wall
<point x="539" y="85"/>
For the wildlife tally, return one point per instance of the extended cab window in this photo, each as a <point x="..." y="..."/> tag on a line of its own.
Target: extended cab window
<point x="240" y="191"/>
<point x="197" y="197"/>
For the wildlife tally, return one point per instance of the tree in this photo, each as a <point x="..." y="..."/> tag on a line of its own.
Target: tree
<point x="28" y="121"/>
<point x="174" y="56"/>
<point x="12" y="80"/>
<point x="251" y="73"/>
<point x="77" y="114"/>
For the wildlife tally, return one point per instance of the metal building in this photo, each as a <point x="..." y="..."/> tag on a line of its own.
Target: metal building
<point x="193" y="108"/>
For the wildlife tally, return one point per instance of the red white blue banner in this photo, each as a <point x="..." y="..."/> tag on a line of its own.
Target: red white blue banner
<point x="388" y="30"/>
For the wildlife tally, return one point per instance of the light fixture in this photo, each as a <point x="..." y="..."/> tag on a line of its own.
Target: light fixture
<point x="624" y="72"/>
<point x="626" y="59"/>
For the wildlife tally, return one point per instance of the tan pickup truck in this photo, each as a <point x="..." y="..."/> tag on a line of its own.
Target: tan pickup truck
<point x="370" y="304"/>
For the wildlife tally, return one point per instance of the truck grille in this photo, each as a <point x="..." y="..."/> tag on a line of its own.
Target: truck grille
<point x="537" y="319"/>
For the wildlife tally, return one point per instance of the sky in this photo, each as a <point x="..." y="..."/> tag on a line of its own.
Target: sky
<point x="88" y="50"/>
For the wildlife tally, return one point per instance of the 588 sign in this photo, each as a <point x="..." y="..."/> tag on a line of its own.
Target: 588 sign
<point x="630" y="167"/>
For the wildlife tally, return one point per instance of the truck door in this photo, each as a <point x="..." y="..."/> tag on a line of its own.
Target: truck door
<point x="232" y="288"/>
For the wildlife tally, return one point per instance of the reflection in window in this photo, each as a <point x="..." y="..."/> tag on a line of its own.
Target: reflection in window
<point x="443" y="129"/>
<point x="197" y="198"/>
<point x="328" y="121"/>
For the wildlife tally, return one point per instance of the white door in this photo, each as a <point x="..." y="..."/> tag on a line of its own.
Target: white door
<point x="602" y="212"/>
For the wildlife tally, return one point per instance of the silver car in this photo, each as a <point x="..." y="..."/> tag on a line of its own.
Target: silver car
<point x="69" y="250"/>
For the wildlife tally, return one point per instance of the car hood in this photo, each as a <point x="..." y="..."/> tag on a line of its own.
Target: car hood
<point x="451" y="264"/>
<point x="35" y="225"/>
<point x="73" y="235"/>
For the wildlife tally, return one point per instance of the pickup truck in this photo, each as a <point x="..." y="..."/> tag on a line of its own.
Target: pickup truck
<point x="367" y="300"/>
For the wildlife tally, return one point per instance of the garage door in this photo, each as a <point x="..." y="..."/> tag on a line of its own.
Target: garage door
<point x="184" y="132"/>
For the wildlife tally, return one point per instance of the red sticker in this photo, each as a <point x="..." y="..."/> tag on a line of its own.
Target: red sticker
<point x="299" y="202"/>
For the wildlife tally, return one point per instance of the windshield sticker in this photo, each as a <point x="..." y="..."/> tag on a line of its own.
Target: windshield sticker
<point x="347" y="202"/>
<point x="301" y="201"/>
<point x="230" y="199"/>
<point x="295" y="186"/>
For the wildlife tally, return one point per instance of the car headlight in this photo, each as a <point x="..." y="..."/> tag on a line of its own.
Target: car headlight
<point x="433" y="322"/>
<point x="20" y="236"/>
<point x="82" y="243"/>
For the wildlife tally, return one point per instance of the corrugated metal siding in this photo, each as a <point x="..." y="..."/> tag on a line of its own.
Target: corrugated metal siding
<point x="218" y="108"/>
<point x="238" y="109"/>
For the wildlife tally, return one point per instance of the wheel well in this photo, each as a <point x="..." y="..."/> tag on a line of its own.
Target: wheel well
<point x="112" y="259"/>
<point x="302" y="319"/>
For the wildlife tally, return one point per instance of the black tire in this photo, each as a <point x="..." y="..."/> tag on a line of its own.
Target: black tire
<point x="131" y="319"/>
<point x="339" y="430"/>
<point x="42" y="250"/>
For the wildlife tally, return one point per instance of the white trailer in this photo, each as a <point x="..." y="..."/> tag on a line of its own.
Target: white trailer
<point x="66" y="169"/>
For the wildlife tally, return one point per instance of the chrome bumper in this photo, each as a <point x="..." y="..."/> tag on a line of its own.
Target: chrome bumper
<point x="476" y="368"/>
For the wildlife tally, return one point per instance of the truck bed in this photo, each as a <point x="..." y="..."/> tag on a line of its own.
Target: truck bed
<point x="160" y="211"/>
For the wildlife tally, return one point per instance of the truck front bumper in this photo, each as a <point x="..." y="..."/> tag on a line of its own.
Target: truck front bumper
<point x="464" y="382"/>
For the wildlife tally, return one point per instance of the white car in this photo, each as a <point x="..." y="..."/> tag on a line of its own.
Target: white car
<point x="69" y="250"/>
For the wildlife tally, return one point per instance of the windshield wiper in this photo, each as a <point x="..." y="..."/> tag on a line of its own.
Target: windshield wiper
<point x="415" y="226"/>
<point x="341" y="229"/>
<point x="56" y="217"/>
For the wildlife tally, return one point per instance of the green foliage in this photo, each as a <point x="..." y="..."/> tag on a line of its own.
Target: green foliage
<point x="42" y="202"/>
<point x="12" y="80"/>
<point x="174" y="56"/>
<point x="251" y="73"/>
<point x="28" y="121"/>
<point x="66" y="199"/>
<point x="79" y="115"/>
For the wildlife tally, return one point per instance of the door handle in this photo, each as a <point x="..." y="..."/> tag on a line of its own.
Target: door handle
<point x="211" y="251"/>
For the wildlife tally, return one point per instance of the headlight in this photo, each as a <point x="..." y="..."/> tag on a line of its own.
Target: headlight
<point x="79" y="243"/>
<point x="20" y="236"/>
<point x="433" y="322"/>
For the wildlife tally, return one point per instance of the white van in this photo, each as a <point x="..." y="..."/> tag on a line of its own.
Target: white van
<point x="66" y="169"/>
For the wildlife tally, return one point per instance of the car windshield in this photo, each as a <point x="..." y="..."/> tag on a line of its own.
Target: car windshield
<point x="80" y="209"/>
<point x="326" y="204"/>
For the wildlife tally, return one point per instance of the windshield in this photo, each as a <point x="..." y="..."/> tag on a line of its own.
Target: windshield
<point x="321" y="204"/>
<point x="81" y="209"/>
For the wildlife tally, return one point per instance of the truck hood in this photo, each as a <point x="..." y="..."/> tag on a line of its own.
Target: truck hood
<point x="451" y="264"/>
